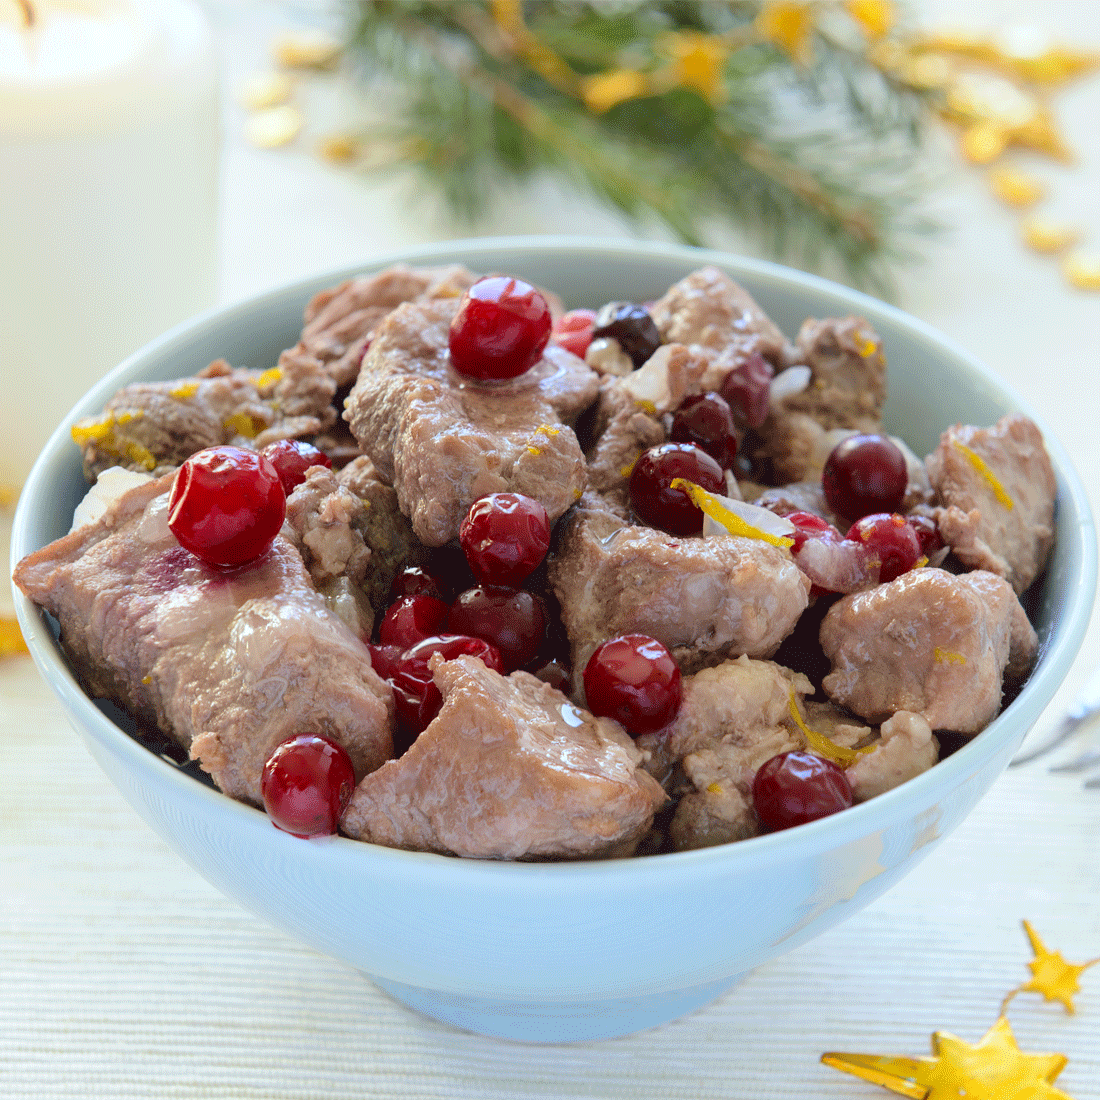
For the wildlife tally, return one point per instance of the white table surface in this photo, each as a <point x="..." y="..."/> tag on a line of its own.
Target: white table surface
<point x="124" y="974"/>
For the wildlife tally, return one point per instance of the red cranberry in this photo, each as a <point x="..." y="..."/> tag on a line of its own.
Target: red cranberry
<point x="417" y="702"/>
<point x="651" y="494"/>
<point x="417" y="581"/>
<point x="505" y="536"/>
<point x="385" y="659"/>
<point x="511" y="619"/>
<point x="928" y="534"/>
<point x="795" y="787"/>
<point x="306" y="785"/>
<point x="416" y="697"/>
<point x="632" y="326"/>
<point x="227" y="505"/>
<point x="500" y="329"/>
<point x="809" y="526"/>
<point x="415" y="660"/>
<point x="634" y="680"/>
<point x="889" y="538"/>
<point x="573" y="330"/>
<point x="292" y="458"/>
<point x="706" y="421"/>
<point x="864" y="474"/>
<point x="411" y="618"/>
<point x="748" y="390"/>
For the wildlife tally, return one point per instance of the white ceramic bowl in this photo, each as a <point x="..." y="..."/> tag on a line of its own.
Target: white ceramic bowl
<point x="556" y="952"/>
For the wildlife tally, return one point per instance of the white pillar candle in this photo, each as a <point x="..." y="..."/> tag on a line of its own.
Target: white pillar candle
<point x="109" y="149"/>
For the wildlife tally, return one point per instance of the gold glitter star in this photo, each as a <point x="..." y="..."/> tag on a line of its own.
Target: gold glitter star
<point x="994" y="1069"/>
<point x="1051" y="975"/>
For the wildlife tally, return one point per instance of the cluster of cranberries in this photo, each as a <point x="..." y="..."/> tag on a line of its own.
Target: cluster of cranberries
<point x="228" y="504"/>
<point x="864" y="480"/>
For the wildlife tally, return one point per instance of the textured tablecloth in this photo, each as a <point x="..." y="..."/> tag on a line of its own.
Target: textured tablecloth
<point x="124" y="974"/>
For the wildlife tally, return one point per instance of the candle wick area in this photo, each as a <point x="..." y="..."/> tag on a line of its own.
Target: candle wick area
<point x="26" y="10"/>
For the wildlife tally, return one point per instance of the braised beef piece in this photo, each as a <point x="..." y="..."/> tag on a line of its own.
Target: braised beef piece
<point x="155" y="426"/>
<point x="341" y="320"/>
<point x="846" y="391"/>
<point x="228" y="663"/>
<point x="905" y="749"/>
<point x="509" y="769"/>
<point x="709" y="309"/>
<point x="443" y="441"/>
<point x="1004" y="525"/>
<point x="929" y="642"/>
<point x="704" y="598"/>
<point x="623" y="430"/>
<point x="347" y="523"/>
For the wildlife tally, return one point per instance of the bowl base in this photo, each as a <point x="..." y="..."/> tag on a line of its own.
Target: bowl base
<point x="556" y="1021"/>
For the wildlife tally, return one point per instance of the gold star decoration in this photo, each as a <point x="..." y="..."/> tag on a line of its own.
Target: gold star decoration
<point x="1051" y="975"/>
<point x="993" y="1069"/>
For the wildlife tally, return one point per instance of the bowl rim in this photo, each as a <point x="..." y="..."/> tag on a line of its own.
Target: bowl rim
<point x="358" y="856"/>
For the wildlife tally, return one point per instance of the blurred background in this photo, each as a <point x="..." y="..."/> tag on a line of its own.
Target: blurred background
<point x="280" y="153"/>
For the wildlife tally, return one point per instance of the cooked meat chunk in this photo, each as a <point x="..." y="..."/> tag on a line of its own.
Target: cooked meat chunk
<point x="715" y="813"/>
<point x="733" y="718"/>
<point x="387" y="533"/>
<point x="846" y="390"/>
<point x="906" y="749"/>
<point x="341" y="320"/>
<point x="443" y="442"/>
<point x="675" y="372"/>
<point x="847" y="374"/>
<point x="228" y="663"/>
<point x="929" y="642"/>
<point x="155" y="426"/>
<point x="1006" y="524"/>
<point x="743" y="702"/>
<point x="324" y="519"/>
<point x="348" y="524"/>
<point x="709" y="308"/>
<point x="704" y="598"/>
<point x="509" y="769"/>
<point x="623" y="431"/>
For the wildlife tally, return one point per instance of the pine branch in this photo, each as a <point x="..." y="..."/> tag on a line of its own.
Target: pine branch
<point x="819" y="163"/>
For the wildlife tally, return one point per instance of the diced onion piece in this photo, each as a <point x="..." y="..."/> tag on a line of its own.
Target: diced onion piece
<point x="111" y="484"/>
<point x="735" y="517"/>
<point x="789" y="382"/>
<point x="821" y="744"/>
<point x="606" y="356"/>
<point x="837" y="565"/>
<point x="648" y="385"/>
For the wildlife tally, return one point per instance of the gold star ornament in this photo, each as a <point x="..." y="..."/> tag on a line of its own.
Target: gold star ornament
<point x="1051" y="975"/>
<point x="994" y="1069"/>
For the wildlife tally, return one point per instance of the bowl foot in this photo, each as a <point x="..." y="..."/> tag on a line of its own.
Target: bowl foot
<point x="556" y="1021"/>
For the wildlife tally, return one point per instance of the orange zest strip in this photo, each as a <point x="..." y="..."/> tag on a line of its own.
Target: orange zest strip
<point x="714" y="508"/>
<point x="945" y="656"/>
<point x="821" y="744"/>
<point x="979" y="464"/>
